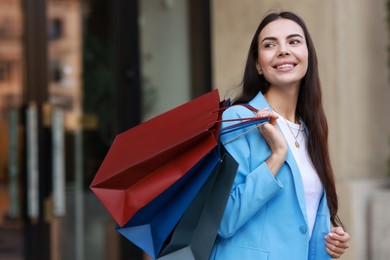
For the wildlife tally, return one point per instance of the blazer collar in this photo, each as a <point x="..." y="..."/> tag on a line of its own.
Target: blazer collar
<point x="259" y="101"/>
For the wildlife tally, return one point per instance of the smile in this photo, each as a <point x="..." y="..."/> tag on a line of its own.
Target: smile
<point x="285" y="66"/>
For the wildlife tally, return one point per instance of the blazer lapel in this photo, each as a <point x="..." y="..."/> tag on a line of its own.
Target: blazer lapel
<point x="298" y="182"/>
<point x="260" y="102"/>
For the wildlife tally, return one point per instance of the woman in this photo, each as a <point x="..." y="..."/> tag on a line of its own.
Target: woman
<point x="284" y="197"/>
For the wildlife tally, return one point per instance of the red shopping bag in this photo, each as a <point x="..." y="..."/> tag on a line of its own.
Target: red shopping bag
<point x="147" y="159"/>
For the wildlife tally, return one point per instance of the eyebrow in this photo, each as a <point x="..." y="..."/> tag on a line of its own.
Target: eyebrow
<point x="271" y="38"/>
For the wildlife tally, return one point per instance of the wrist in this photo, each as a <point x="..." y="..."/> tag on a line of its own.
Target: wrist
<point x="275" y="161"/>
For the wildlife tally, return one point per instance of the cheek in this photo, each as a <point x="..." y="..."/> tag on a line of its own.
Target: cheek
<point x="306" y="63"/>
<point x="305" y="56"/>
<point x="264" y="60"/>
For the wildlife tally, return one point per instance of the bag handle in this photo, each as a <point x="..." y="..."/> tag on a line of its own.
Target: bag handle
<point x="251" y="108"/>
<point x="240" y="120"/>
<point x="243" y="122"/>
<point x="254" y="110"/>
<point x="255" y="122"/>
<point x="243" y="133"/>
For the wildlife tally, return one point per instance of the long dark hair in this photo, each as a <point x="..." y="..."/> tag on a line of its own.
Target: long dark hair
<point x="309" y="107"/>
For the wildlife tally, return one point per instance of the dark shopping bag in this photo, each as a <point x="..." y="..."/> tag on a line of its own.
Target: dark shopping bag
<point x="194" y="235"/>
<point x="150" y="226"/>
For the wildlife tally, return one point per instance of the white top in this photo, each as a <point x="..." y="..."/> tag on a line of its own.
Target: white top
<point x="311" y="182"/>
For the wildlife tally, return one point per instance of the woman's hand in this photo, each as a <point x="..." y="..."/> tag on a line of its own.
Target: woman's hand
<point x="274" y="139"/>
<point x="337" y="241"/>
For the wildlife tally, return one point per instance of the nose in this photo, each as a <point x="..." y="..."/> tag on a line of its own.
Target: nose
<point x="284" y="50"/>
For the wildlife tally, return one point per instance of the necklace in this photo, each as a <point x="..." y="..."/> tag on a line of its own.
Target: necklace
<point x="292" y="133"/>
<point x="297" y="145"/>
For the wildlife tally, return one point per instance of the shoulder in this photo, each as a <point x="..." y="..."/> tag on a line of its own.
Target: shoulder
<point x="240" y="111"/>
<point x="237" y="111"/>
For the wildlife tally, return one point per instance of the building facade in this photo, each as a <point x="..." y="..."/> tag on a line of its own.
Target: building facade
<point x="351" y="39"/>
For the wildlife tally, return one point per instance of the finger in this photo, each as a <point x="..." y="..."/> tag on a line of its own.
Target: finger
<point x="339" y="230"/>
<point x="332" y="254"/>
<point x="335" y="248"/>
<point x="333" y="240"/>
<point x="262" y="111"/>
<point x="273" y="118"/>
<point x="346" y="238"/>
<point x="265" y="112"/>
<point x="341" y="234"/>
<point x="336" y="236"/>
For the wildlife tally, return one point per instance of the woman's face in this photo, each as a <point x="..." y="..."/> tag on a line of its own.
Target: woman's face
<point x="283" y="54"/>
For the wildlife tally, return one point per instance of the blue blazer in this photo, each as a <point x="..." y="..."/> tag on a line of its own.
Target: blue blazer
<point x="265" y="216"/>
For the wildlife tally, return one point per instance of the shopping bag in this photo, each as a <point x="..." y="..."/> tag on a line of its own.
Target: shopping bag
<point x="194" y="235"/>
<point x="150" y="226"/>
<point x="145" y="160"/>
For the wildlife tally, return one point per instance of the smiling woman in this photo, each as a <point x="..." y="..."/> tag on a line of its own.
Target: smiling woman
<point x="283" y="199"/>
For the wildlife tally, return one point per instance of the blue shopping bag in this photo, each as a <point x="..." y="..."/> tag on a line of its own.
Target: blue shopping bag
<point x="151" y="226"/>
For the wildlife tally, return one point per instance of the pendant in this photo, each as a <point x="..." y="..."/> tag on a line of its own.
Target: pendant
<point x="296" y="144"/>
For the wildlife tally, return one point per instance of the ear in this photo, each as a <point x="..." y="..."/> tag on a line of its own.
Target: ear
<point x="259" y="69"/>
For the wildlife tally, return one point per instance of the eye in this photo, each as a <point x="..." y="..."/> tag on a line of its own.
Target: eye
<point x="269" y="45"/>
<point x="295" y="41"/>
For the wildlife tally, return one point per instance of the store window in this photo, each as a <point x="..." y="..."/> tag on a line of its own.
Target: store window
<point x="165" y="55"/>
<point x="11" y="94"/>
<point x="70" y="82"/>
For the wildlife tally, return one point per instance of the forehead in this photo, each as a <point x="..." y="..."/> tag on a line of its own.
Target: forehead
<point x="281" y="28"/>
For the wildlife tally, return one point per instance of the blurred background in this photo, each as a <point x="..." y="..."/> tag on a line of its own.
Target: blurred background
<point x="75" y="73"/>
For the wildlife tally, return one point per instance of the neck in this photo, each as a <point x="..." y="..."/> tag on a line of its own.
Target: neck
<point x="283" y="102"/>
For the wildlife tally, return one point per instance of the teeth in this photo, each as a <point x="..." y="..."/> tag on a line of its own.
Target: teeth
<point x="285" y="66"/>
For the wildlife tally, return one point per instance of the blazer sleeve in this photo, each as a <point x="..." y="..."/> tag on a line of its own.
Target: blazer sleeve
<point x="254" y="184"/>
